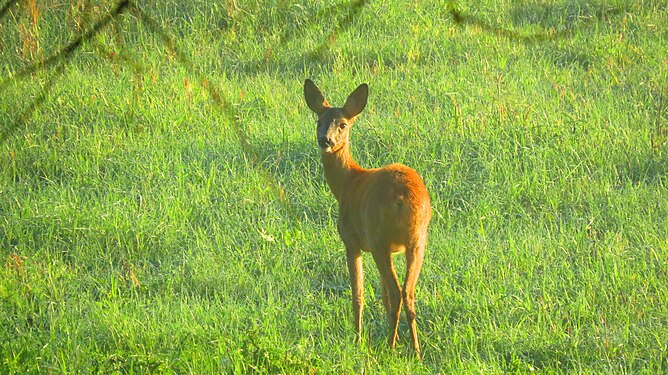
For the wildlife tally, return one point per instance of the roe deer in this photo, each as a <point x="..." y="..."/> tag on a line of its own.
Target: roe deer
<point x="383" y="211"/>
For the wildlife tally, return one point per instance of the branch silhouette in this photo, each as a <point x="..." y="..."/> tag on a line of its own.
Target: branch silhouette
<point x="66" y="52"/>
<point x="345" y="22"/>
<point x="5" y="8"/>
<point x="328" y="13"/>
<point x="461" y="18"/>
<point x="220" y="101"/>
<point x="59" y="60"/>
<point x="36" y="103"/>
<point x="189" y="66"/>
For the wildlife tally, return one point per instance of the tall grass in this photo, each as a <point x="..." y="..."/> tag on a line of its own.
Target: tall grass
<point x="163" y="207"/>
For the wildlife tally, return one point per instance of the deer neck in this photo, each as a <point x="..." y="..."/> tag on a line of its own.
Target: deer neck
<point x="340" y="169"/>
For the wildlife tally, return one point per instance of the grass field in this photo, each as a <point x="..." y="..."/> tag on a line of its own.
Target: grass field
<point x="163" y="207"/>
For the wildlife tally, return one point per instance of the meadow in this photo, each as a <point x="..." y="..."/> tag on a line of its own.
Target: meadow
<point x="163" y="208"/>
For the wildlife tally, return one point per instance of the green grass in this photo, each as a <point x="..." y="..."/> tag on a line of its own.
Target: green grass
<point x="149" y="225"/>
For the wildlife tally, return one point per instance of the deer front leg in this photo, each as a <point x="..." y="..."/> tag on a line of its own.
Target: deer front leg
<point x="354" y="260"/>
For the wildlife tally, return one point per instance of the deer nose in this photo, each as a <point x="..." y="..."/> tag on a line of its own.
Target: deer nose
<point x="325" y="142"/>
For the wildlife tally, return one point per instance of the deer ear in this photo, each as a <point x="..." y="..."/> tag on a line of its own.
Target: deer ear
<point x="356" y="101"/>
<point x="314" y="98"/>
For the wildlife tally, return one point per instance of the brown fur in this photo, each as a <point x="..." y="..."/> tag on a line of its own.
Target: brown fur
<point x="382" y="210"/>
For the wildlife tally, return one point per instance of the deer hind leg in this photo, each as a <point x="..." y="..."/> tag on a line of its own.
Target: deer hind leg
<point x="391" y="291"/>
<point x="354" y="260"/>
<point x="414" y="260"/>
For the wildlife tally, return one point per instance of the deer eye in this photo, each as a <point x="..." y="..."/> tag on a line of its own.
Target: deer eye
<point x="342" y="125"/>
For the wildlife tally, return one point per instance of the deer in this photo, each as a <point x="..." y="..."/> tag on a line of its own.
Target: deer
<point x="383" y="211"/>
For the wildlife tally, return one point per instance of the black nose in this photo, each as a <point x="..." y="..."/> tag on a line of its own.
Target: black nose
<point x="325" y="142"/>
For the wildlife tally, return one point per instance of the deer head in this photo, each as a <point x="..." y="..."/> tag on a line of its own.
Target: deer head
<point x="334" y="123"/>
